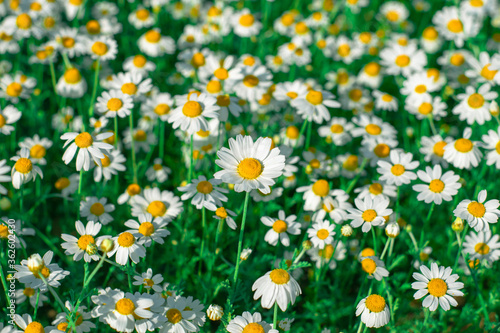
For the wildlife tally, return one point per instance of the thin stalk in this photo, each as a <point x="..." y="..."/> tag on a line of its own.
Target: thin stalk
<point x="240" y="242"/>
<point x="275" y="317"/>
<point x="116" y="132"/>
<point x="162" y="139"/>
<point x="190" y="159"/>
<point x="94" y="90"/>
<point x="389" y="240"/>
<point x="134" y="164"/>
<point x="53" y="76"/>
<point x="374" y="240"/>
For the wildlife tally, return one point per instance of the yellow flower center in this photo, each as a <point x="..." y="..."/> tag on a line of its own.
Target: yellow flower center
<point x="355" y="95"/>
<point x="157" y="208"/>
<point x="342" y="78"/>
<point x="126" y="239"/>
<point x="72" y="76"/>
<point x="37" y="151"/>
<point x="369" y="265"/>
<point x="23" y="21"/>
<point x="280" y="226"/>
<point x="44" y="271"/>
<point x="14" y="89"/>
<point x="142" y="14"/>
<point x="482" y="248"/>
<point x="344" y="50"/>
<point x="287" y="19"/>
<point x="114" y="104"/>
<point x="34" y="327"/>
<point x="322" y="234"/>
<point x="4" y="231"/>
<point x="97" y="209"/>
<point x="221" y="73"/>
<point x="436" y="186"/>
<point x="438" y="148"/>
<point x="292" y="94"/>
<point x="387" y="98"/>
<point x="214" y="87"/>
<point x="68" y="42"/>
<point x="99" y="48"/>
<point x="398" y="169"/>
<point x="392" y="16"/>
<point x="292" y="132"/>
<point x="476" y="209"/>
<point x="84" y="241"/>
<point x="251" y="81"/>
<point x="129" y="88"/>
<point x="221" y="212"/>
<point x="464" y="145"/>
<point x="140" y="135"/>
<point x="204" y="187"/>
<point x="93" y="27"/>
<point x="475" y="101"/>
<point x="162" y="109"/>
<point x="139" y="61"/>
<point x="497" y="147"/>
<point x="430" y="33"/>
<point x="29" y="292"/>
<point x="375" y="189"/>
<point x="351" y="163"/>
<point x="369" y="215"/>
<point x="327" y="252"/>
<point x="247" y="20"/>
<point x="147" y="228"/>
<point x="133" y="189"/>
<point x="125" y="306"/>
<point x="253" y="328"/>
<point x="336" y="129"/>
<point x="455" y="26"/>
<point x="382" y="150"/>
<point x="23" y="165"/>
<point x="457" y="59"/>
<point x="62" y="183"/>
<point x="301" y="28"/>
<point x="250" y="168"/>
<point x="321" y="188"/>
<point x="420" y="89"/>
<point x="279" y="276"/>
<point x="437" y="287"/>
<point x="373" y="129"/>
<point x="315" y="163"/>
<point x="249" y="61"/>
<point x="223" y="100"/>
<point x="192" y="109"/>
<point x="198" y="60"/>
<point x="314" y="97"/>
<point x="402" y="60"/>
<point x="174" y="316"/>
<point x="425" y="108"/>
<point x="375" y="303"/>
<point x="367" y="252"/>
<point x="153" y="36"/>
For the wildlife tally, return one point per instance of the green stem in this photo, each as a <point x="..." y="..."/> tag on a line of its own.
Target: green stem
<point x="162" y="139"/>
<point x="460" y="244"/>
<point x="116" y="132"/>
<point x="53" y="76"/>
<point x="240" y="242"/>
<point x="94" y="90"/>
<point x="302" y="129"/>
<point x="134" y="164"/>
<point x="374" y="240"/>
<point x="5" y="286"/>
<point x="36" y="303"/>
<point x="308" y="138"/>
<point x="190" y="159"/>
<point x="389" y="240"/>
<point x="275" y="317"/>
<point x="54" y="293"/>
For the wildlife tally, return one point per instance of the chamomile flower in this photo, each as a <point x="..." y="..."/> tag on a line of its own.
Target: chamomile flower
<point x="474" y="105"/>
<point x="453" y="27"/>
<point x="329" y="255"/>
<point x="158" y="172"/>
<point x="68" y="42"/>
<point x="192" y="115"/>
<point x="205" y="193"/>
<point x="394" y="12"/>
<point x="428" y="106"/>
<point x="276" y="286"/>
<point x="372" y="126"/>
<point x="81" y="247"/>
<point x="374" y="311"/>
<point x="114" y="104"/>
<point x="321" y="233"/>
<point x="138" y="64"/>
<point x="312" y="106"/>
<point x="463" y="153"/>
<point x="280" y="228"/>
<point x="88" y="147"/>
<point x="375" y="189"/>
<point x="141" y="18"/>
<point x="441" y="186"/>
<point x="433" y="149"/>
<point x="111" y="164"/>
<point x="398" y="170"/>
<point x="148" y="281"/>
<point x="125" y="247"/>
<point x="30" y="269"/>
<point x="67" y="185"/>
<point x="177" y="316"/>
<point x="37" y="147"/>
<point x="97" y="209"/>
<point x="369" y="212"/>
<point x="479" y="214"/>
<point x="248" y="322"/>
<point x="250" y="165"/>
<point x="430" y="40"/>
<point x="148" y="229"/>
<point x="245" y="24"/>
<point x="82" y="323"/>
<point x="402" y="60"/>
<point x="158" y="203"/>
<point x="158" y="106"/>
<point x="227" y="215"/>
<point x="335" y="205"/>
<point x="8" y="116"/>
<point x="483" y="246"/>
<point x="71" y="84"/>
<point x="27" y="324"/>
<point x="24" y="170"/>
<point x="385" y="101"/>
<point x="153" y="44"/>
<point x="492" y="144"/>
<point x="374" y="267"/>
<point x="439" y="284"/>
<point x="315" y="193"/>
<point x="254" y="83"/>
<point x="337" y="131"/>
<point x="28" y="294"/>
<point x="132" y="84"/>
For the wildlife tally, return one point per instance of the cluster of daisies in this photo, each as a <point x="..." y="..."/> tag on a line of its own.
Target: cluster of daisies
<point x="145" y="120"/>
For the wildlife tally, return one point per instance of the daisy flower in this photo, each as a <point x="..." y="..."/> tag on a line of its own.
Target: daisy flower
<point x="375" y="189"/>
<point x="68" y="42"/>
<point x="313" y="105"/>
<point x="374" y="311"/>
<point x="148" y="229"/>
<point x="280" y="228"/>
<point x="125" y="247"/>
<point x="403" y="60"/>
<point x="8" y="116"/>
<point x="138" y="64"/>
<point x="345" y="50"/>
<point x="440" y="186"/>
<point x="24" y="170"/>
<point x="454" y="27"/>
<point x="276" y="286"/>
<point x="30" y="269"/>
<point x="394" y="12"/>
<point x="192" y="115"/>
<point x="95" y="209"/>
<point x="28" y="293"/>
<point x="463" y="153"/>
<point x="250" y="165"/>
<point x="143" y="139"/>
<point x="158" y="172"/>
<point x="430" y="40"/>
<point x="132" y="84"/>
<point x="67" y="185"/>
<point x="119" y="309"/>
<point x="255" y="82"/>
<point x="397" y="171"/>
<point x="433" y="149"/>
<point x="205" y="193"/>
<point x="482" y="245"/>
<point x="374" y="267"/>
<point x="474" y="106"/>
<point x="131" y="191"/>
<point x="335" y="205"/>
<point x="27" y="324"/>
<point x="369" y="212"/>
<point x="491" y="143"/>
<point x="372" y="127"/>
<point x="37" y="147"/>
<point x="484" y="70"/>
<point x="153" y="44"/>
<point x="114" y="104"/>
<point x="158" y="203"/>
<point x="291" y="136"/>
<point x="148" y="281"/>
<point x="337" y="131"/>
<point x="227" y="215"/>
<point x="428" y="107"/>
<point x="248" y="322"/>
<point x="440" y="284"/>
<point x="82" y="323"/>
<point x="479" y="214"/>
<point x="321" y="233"/>
<point x="87" y="145"/>
<point x="244" y="24"/>
<point x="81" y="247"/>
<point x="12" y="89"/>
<point x="384" y="101"/>
<point x="71" y="84"/>
<point x="141" y="18"/>
<point x="177" y="316"/>
<point x="158" y="106"/>
<point x="329" y="255"/>
<point x="4" y="169"/>
<point x="314" y="194"/>
<point x="111" y="164"/>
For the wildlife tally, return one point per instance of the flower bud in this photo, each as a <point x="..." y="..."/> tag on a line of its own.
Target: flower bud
<point x="458" y="225"/>
<point x="91" y="249"/>
<point x="35" y="263"/>
<point x="494" y="109"/>
<point x="307" y="245"/>
<point x="245" y="254"/>
<point x="5" y="204"/>
<point x="408" y="228"/>
<point x="107" y="245"/>
<point x="346" y="230"/>
<point x="215" y="312"/>
<point x="392" y="230"/>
